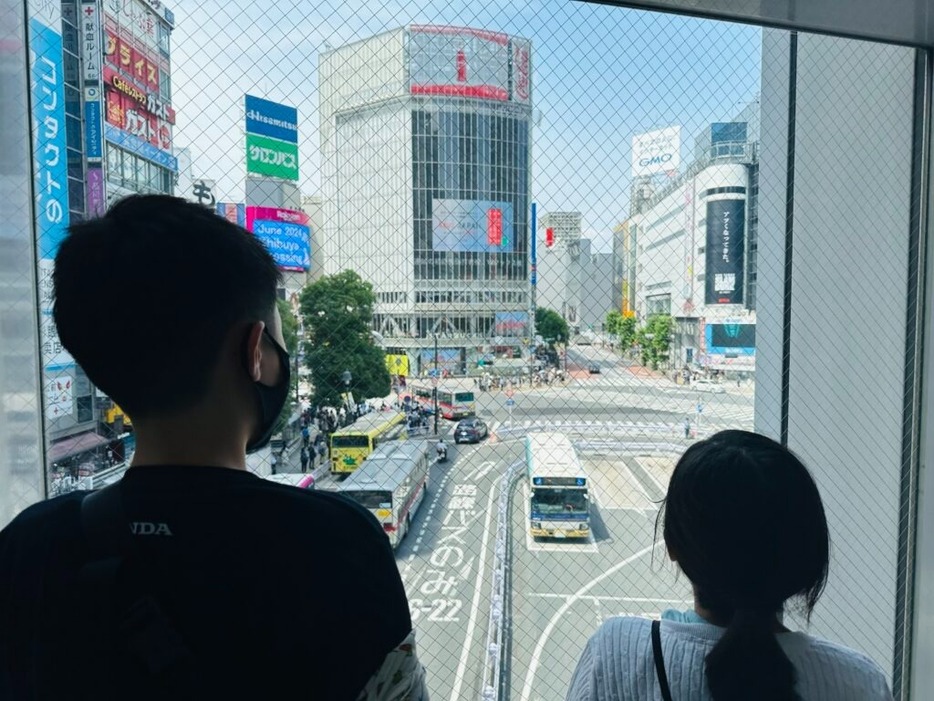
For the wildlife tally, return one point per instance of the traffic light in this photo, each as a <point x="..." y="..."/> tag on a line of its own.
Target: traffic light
<point x="549" y="237"/>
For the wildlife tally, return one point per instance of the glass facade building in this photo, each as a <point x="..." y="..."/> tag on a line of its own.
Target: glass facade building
<point x="425" y="148"/>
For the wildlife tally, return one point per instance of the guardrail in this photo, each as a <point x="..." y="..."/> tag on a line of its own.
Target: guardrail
<point x="497" y="624"/>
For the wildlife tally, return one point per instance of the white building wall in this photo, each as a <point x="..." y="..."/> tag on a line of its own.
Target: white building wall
<point x="849" y="235"/>
<point x="373" y="212"/>
<point x="671" y="244"/>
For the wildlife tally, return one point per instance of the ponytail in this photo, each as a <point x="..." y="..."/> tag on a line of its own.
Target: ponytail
<point x="748" y="663"/>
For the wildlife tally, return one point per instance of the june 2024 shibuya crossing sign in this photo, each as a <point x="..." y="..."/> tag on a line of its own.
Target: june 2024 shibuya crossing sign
<point x="271" y="138"/>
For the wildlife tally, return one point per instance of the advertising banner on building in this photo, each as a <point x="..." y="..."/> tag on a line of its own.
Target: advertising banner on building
<point x="137" y="146"/>
<point x="285" y="234"/>
<point x="271" y="119"/>
<point x="272" y="157"/>
<point x="730" y="337"/>
<point x="448" y="360"/>
<point x="656" y="152"/>
<point x="459" y="62"/>
<point x="521" y="73"/>
<point x="93" y="127"/>
<point x="96" y="199"/>
<point x="232" y="212"/>
<point x="90" y="40"/>
<point x="478" y="226"/>
<point x="397" y="364"/>
<point x="511" y="324"/>
<point x="726" y="234"/>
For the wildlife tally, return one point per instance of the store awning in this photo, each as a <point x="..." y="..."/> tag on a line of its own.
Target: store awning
<point x="74" y="445"/>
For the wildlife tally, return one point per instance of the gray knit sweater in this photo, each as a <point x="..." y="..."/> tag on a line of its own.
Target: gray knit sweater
<point x="617" y="665"/>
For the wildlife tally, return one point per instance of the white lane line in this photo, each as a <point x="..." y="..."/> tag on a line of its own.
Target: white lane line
<point x="439" y="490"/>
<point x="553" y="622"/>
<point x="623" y="599"/>
<point x="474" y="606"/>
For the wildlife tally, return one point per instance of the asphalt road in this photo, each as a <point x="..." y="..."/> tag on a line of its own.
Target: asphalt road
<point x="628" y="428"/>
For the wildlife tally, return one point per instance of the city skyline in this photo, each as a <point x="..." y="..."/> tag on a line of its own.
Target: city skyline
<point x="581" y="144"/>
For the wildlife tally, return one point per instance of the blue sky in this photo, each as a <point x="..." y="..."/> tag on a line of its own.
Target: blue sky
<point x="600" y="76"/>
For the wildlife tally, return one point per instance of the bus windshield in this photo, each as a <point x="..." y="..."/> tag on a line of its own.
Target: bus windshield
<point x="351" y="441"/>
<point x="371" y="500"/>
<point x="558" y="501"/>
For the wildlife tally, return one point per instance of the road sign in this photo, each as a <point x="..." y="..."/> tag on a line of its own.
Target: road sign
<point x="510" y="391"/>
<point x="510" y="402"/>
<point x="700" y="408"/>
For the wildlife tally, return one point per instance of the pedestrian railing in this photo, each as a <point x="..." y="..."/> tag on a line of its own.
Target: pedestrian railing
<point x="497" y="626"/>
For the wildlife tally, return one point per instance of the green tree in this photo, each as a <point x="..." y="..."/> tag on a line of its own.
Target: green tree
<point x="626" y="330"/>
<point x="551" y="326"/>
<point x="290" y="336"/>
<point x="337" y="311"/>
<point x="654" y="339"/>
<point x="613" y="320"/>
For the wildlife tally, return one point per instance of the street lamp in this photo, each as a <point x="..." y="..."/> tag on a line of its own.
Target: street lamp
<point x="346" y="377"/>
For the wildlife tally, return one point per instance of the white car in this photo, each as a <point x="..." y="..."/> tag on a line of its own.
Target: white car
<point x="707" y="386"/>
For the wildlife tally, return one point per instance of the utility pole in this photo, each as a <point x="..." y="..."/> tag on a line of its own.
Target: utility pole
<point x="435" y="392"/>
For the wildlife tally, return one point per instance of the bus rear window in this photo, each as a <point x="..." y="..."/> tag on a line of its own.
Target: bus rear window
<point x="463" y="397"/>
<point x="350" y="442"/>
<point x="371" y="500"/>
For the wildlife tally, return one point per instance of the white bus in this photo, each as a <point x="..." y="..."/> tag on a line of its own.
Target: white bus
<point x="391" y="483"/>
<point x="559" y="504"/>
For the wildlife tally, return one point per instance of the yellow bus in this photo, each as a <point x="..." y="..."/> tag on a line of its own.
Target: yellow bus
<point x="351" y="445"/>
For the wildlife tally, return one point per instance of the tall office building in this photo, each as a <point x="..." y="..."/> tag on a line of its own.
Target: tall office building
<point x="425" y="136"/>
<point x="109" y="60"/>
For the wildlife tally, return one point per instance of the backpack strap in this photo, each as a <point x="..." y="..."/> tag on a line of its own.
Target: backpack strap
<point x="133" y="615"/>
<point x="660" y="661"/>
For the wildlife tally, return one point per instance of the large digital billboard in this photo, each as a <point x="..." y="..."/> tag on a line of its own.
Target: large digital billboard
<point x="729" y="338"/>
<point x="475" y="226"/>
<point x="285" y="234"/>
<point x="513" y="324"/>
<point x="458" y="61"/>
<point x="726" y="234"/>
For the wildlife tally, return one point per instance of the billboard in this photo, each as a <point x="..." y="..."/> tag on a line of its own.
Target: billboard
<point x="397" y="364"/>
<point x="271" y="119"/>
<point x="233" y="212"/>
<point x="730" y="338"/>
<point x="458" y="61"/>
<point x="271" y="157"/>
<point x="448" y="359"/>
<point x="513" y="324"/>
<point x="476" y="226"/>
<point x="656" y="152"/>
<point x="521" y="87"/>
<point x="285" y="234"/>
<point x="726" y="234"/>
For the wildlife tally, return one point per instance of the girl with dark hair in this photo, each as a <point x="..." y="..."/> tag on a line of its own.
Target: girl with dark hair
<point x="744" y="521"/>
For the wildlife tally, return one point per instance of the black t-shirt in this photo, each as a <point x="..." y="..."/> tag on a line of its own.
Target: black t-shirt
<point x="278" y="592"/>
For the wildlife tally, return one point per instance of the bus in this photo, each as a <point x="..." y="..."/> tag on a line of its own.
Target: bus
<point x="391" y="484"/>
<point x="453" y="402"/>
<point x="559" y="504"/>
<point x="351" y="444"/>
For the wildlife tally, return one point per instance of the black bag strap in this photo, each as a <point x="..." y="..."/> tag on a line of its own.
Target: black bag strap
<point x="139" y="622"/>
<point x="660" y="660"/>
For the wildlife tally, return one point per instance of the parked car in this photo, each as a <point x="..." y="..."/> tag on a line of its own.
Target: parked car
<point x="594" y="369"/>
<point x="472" y="430"/>
<point x="707" y="386"/>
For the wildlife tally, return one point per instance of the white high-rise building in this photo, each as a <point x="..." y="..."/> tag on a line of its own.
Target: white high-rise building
<point x="425" y="136"/>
